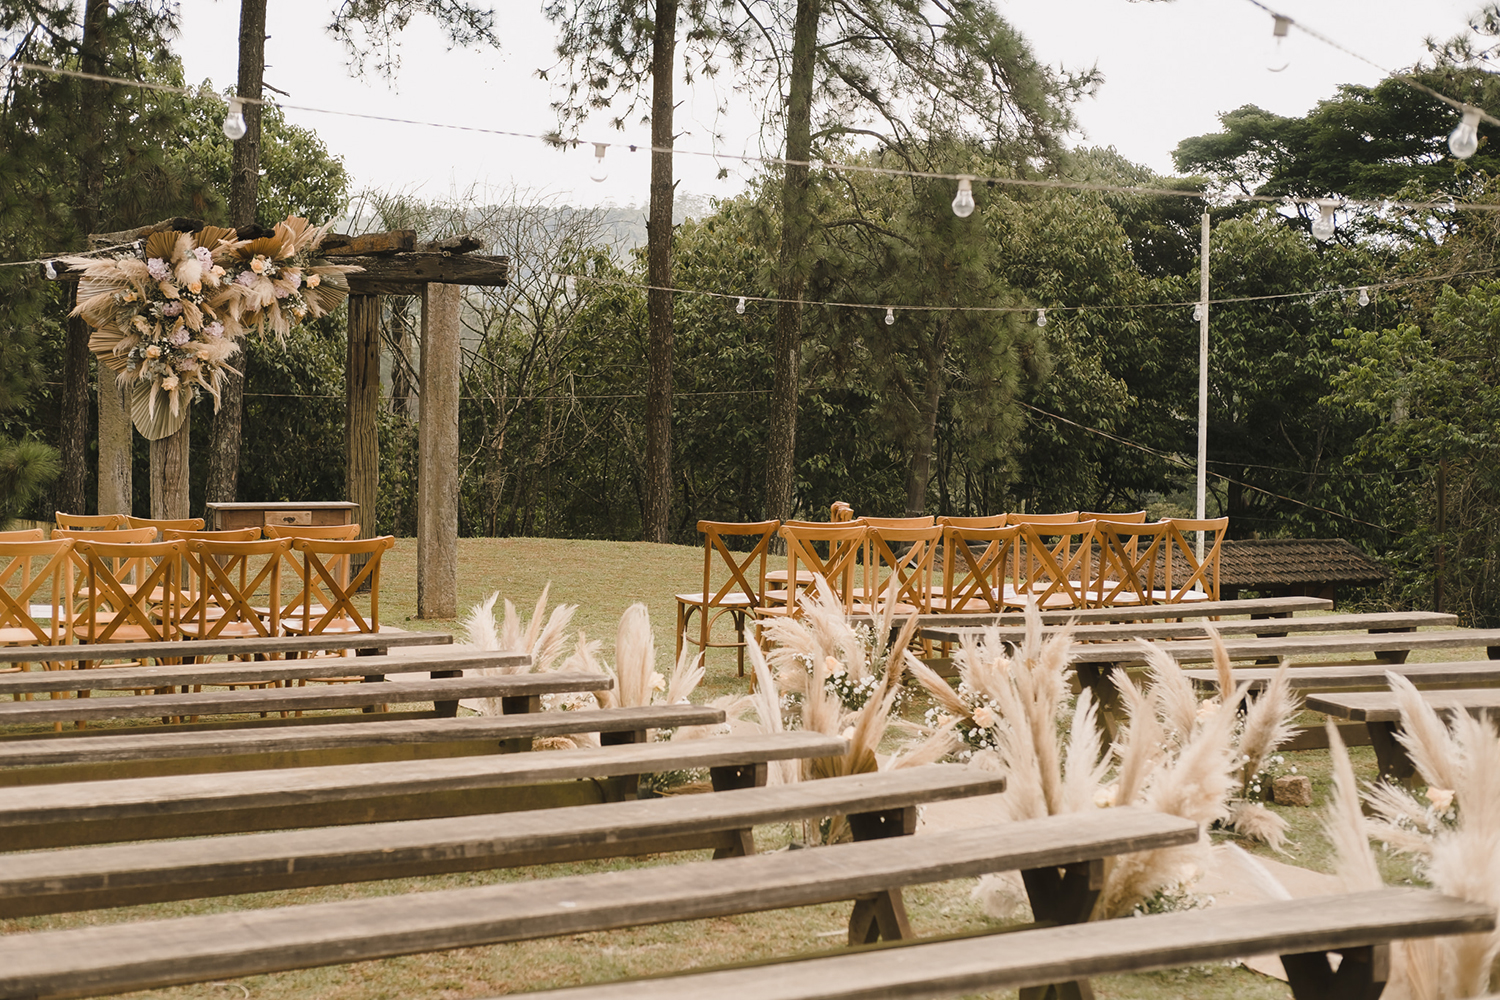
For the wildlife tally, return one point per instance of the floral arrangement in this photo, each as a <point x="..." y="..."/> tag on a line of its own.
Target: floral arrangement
<point x="168" y="317"/>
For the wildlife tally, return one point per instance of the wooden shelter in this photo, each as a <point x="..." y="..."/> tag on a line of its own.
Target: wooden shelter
<point x="392" y="263"/>
<point x="1294" y="567"/>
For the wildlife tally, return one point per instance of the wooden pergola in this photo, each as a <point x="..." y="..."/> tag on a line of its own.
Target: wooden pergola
<point x="392" y="263"/>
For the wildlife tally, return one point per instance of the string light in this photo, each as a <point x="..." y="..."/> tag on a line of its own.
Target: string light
<point x="1279" y="59"/>
<point x="890" y="317"/>
<point x="50" y="270"/>
<point x="1323" y="226"/>
<point x="1041" y="317"/>
<point x="1463" y="141"/>
<point x="963" y="202"/>
<point x="1198" y="312"/>
<point x="739" y="306"/>
<point x="234" y="122"/>
<point x="600" y="171"/>
<point x="1364" y="297"/>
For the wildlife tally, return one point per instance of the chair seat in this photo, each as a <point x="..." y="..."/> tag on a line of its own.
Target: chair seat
<point x="737" y="601"/>
<point x="804" y="577"/>
<point x="233" y="630"/>
<point x="20" y="637"/>
<point x="962" y="606"/>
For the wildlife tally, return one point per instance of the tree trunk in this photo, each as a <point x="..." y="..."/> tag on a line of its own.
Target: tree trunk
<point x="781" y="448"/>
<point x="659" y="270"/>
<point x="115" y="438"/>
<point x="437" y="462"/>
<point x="169" y="472"/>
<point x="72" y="486"/>
<point x="244" y="188"/>
<point x="921" y="459"/>
<point x="361" y="413"/>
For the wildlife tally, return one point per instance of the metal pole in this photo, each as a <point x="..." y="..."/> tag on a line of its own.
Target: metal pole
<point x="1202" y="381"/>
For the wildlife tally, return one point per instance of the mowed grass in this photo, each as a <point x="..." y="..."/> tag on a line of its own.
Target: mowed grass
<point x="603" y="578"/>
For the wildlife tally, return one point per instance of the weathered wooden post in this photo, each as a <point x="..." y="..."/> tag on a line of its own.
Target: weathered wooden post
<point x="362" y="396"/>
<point x="437" y="463"/>
<point x="169" y="472"/>
<point x="115" y="475"/>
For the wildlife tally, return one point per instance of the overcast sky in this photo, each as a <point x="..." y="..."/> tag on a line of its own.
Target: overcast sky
<point x="1169" y="70"/>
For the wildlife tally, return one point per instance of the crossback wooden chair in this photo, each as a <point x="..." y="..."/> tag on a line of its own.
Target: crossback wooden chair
<point x="920" y="521"/>
<point x="838" y="563"/>
<point x="977" y="562"/>
<point x="327" y="584"/>
<point x="981" y="521"/>
<point x="739" y="594"/>
<point x="1132" y="517"/>
<point x="23" y="535"/>
<point x="163" y="524"/>
<point x="1054" y="565"/>
<point x="333" y="532"/>
<point x="251" y="534"/>
<point x="225" y="577"/>
<point x="898" y="567"/>
<point x="131" y="590"/>
<point x="123" y="535"/>
<point x="1189" y="578"/>
<point x="1128" y="574"/>
<point x="839" y="511"/>
<point x="89" y="522"/>
<point x="36" y="577"/>
<point x="1068" y="517"/>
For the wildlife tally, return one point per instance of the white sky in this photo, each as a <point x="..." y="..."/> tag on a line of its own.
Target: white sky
<point x="1169" y="68"/>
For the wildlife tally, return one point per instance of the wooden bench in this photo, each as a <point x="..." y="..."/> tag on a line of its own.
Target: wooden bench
<point x="1382" y="718"/>
<point x="1314" y="677"/>
<point x="89" y="961"/>
<point x="1357" y="927"/>
<point x="121" y="875"/>
<point x="362" y="642"/>
<point x="1275" y="627"/>
<point x="1268" y="607"/>
<point x="96" y="812"/>
<point x="131" y="753"/>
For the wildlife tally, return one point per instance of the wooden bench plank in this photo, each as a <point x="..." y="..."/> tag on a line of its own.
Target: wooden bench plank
<point x="97" y="812"/>
<point x="120" y="957"/>
<point x="1314" y="645"/>
<point x="298" y="699"/>
<point x="382" y="640"/>
<point x="1310" y="677"/>
<point x="254" y="671"/>
<point x="58" y="881"/>
<point x="1380" y="706"/>
<point x="1267" y="606"/>
<point x="991" y="962"/>
<point x="131" y="745"/>
<point x="1198" y="630"/>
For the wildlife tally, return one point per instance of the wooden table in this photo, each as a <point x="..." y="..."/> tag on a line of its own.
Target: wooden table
<point x="301" y="513"/>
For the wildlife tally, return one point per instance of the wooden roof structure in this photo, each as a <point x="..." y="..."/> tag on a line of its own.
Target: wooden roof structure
<point x="1313" y="567"/>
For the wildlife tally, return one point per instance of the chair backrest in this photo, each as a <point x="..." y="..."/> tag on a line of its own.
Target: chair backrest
<point x="975" y="581"/>
<point x="1133" y="517"/>
<point x="121" y="535"/>
<point x="36" y="573"/>
<point x="163" y="524"/>
<point x="89" y="522"/>
<point x="1127" y="573"/>
<point x="1055" y="563"/>
<point x="326" y="580"/>
<point x="922" y="521"/>
<point x="747" y="569"/>
<point x="1070" y="517"/>
<point x="906" y="577"/>
<point x="983" y="521"/>
<point x="843" y="544"/>
<point x="23" y="535"/>
<point x="226" y="535"/>
<point x="225" y="578"/>
<point x="1189" y="578"/>
<point x="131" y="590"/>
<point x="332" y="532"/>
<point x="839" y="511"/>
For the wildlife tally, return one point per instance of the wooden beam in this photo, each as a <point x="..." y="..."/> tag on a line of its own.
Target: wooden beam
<point x="408" y="273"/>
<point x="362" y="396"/>
<point x="339" y="245"/>
<point x="437" y="463"/>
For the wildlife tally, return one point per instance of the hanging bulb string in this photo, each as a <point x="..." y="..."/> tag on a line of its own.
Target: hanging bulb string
<point x="555" y="141"/>
<point x="56" y="258"/>
<point x="891" y="308"/>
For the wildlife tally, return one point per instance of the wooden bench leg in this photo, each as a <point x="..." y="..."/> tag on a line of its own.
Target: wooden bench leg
<point x="742" y="845"/>
<point x="1063" y="896"/>
<point x="734" y="776"/>
<point x="519" y="705"/>
<point x="1099" y="678"/>
<point x="445" y="709"/>
<point x="1395" y="765"/>
<point x="1361" y="974"/>
<point x="882" y="915"/>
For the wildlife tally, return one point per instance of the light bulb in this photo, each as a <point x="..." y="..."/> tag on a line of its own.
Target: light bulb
<point x="50" y="271"/>
<point x="1279" y="58"/>
<point x="739" y="306"/>
<point x="1198" y="313"/>
<point x="600" y="171"/>
<point x="1322" y="227"/>
<point x="963" y="202"/>
<point x="1364" y="297"/>
<point x="1464" y="140"/>
<point x="1041" y="317"/>
<point x="890" y="317"/>
<point x="234" y="121"/>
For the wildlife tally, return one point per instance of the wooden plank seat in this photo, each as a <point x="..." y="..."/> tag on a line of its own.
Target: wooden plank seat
<point x="1381" y="714"/>
<point x="1311" y="677"/>
<point x="1390" y="647"/>
<point x="89" y="961"/>
<point x="440" y="691"/>
<point x="133" y="754"/>
<point x="1271" y="607"/>
<point x="1393" y="622"/>
<point x="1357" y="927"/>
<point x="249" y="646"/>
<point x="97" y="812"/>
<point x="119" y="875"/>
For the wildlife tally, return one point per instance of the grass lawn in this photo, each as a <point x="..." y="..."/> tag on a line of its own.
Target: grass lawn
<point x="603" y="578"/>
